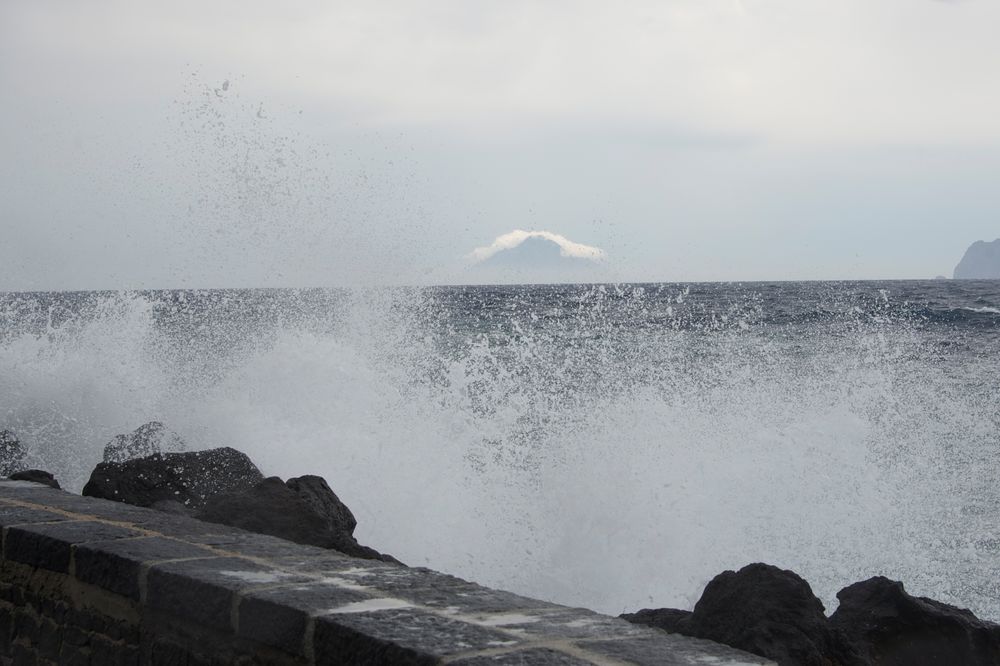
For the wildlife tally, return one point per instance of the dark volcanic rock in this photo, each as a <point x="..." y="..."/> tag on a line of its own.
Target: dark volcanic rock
<point x="172" y="506"/>
<point x="304" y="510"/>
<point x="771" y="612"/>
<point x="315" y="492"/>
<point x="669" y="619"/>
<point x="188" y="478"/>
<point x="764" y="610"/>
<point x="36" y="476"/>
<point x="145" y="440"/>
<point x="11" y="453"/>
<point x="892" y="628"/>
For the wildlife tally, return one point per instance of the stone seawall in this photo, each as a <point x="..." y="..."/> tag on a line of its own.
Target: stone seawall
<point x="88" y="581"/>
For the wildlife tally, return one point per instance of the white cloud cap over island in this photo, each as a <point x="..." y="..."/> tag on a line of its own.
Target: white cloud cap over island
<point x="511" y="240"/>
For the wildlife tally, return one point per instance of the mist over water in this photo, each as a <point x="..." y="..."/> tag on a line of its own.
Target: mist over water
<point x="606" y="446"/>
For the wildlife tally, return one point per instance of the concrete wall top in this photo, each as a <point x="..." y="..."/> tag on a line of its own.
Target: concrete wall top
<point x="306" y="604"/>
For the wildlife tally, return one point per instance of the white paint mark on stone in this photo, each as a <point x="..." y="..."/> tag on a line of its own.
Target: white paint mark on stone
<point x="258" y="577"/>
<point x="345" y="584"/>
<point x="358" y="571"/>
<point x="505" y="619"/>
<point x="385" y="603"/>
<point x="721" y="661"/>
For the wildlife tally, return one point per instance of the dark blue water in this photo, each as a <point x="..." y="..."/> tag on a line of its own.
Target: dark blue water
<point x="610" y="446"/>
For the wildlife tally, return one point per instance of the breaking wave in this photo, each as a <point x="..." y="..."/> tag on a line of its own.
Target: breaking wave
<point x="610" y="447"/>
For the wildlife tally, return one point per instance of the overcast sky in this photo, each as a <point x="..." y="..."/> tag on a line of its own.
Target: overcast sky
<point x="248" y="143"/>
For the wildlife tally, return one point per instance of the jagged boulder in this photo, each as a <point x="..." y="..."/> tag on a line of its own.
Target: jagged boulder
<point x="36" y="476"/>
<point x="892" y="628"/>
<point x="188" y="478"/>
<point x="11" y="453"/>
<point x="147" y="439"/>
<point x="762" y="609"/>
<point x="304" y="510"/>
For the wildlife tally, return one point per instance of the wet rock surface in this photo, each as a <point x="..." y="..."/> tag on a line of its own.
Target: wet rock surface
<point x="35" y="476"/>
<point x="303" y="509"/>
<point x="761" y="609"/>
<point x="188" y="478"/>
<point x="892" y="628"/>
<point x="669" y="619"/>
<point x="773" y="613"/>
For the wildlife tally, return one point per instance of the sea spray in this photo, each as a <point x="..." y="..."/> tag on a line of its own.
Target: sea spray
<point x="607" y="446"/>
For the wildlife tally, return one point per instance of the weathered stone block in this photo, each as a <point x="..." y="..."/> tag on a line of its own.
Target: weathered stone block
<point x="529" y="657"/>
<point x="25" y="626"/>
<point x="49" y="638"/>
<point x="6" y="628"/>
<point x="12" y="594"/>
<point x="115" y="565"/>
<point x="319" y="561"/>
<point x="407" y="634"/>
<point x="277" y="617"/>
<point x="663" y="648"/>
<point x="438" y="590"/>
<point x="23" y="655"/>
<point x="19" y="515"/>
<point x="220" y="596"/>
<point x="112" y="653"/>
<point x="167" y="653"/>
<point x="202" y="591"/>
<point x="48" y="546"/>
<point x="248" y="544"/>
<point x="73" y="656"/>
<point x="74" y="636"/>
<point x="50" y="498"/>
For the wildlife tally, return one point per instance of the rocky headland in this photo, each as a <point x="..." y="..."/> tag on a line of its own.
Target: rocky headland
<point x="981" y="262"/>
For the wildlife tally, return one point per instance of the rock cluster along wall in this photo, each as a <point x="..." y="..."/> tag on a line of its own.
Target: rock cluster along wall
<point x="88" y="581"/>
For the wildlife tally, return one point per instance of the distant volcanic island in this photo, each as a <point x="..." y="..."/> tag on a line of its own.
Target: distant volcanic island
<point x="981" y="262"/>
<point x="536" y="257"/>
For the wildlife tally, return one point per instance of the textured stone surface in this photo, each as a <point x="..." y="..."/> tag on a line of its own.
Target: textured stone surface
<point x="35" y="476"/>
<point x="648" y="651"/>
<point x="438" y="590"/>
<point x="303" y="510"/>
<point x="893" y="628"/>
<point x="764" y="610"/>
<point x="19" y="515"/>
<point x="528" y="657"/>
<point x="206" y="589"/>
<point x="189" y="478"/>
<point x="49" y="545"/>
<point x="86" y="581"/>
<point x="278" y="616"/>
<point x="411" y="630"/>
<point x="117" y="565"/>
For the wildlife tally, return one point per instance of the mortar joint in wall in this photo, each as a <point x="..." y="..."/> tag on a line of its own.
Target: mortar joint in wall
<point x="307" y="640"/>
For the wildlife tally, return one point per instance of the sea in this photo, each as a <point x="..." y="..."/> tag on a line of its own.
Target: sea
<point x="608" y="446"/>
